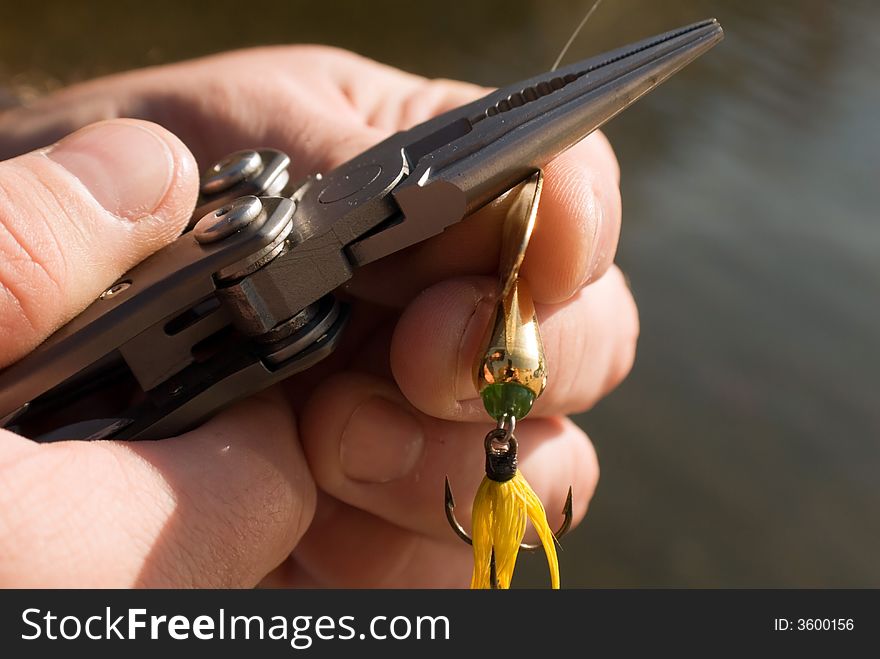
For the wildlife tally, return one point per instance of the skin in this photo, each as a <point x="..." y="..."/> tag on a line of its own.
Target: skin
<point x="334" y="479"/>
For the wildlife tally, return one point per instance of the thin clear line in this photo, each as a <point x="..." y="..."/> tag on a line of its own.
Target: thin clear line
<point x="574" y="34"/>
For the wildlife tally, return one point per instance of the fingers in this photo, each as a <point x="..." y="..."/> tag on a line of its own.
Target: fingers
<point x="297" y="86"/>
<point x="349" y="548"/>
<point x="75" y="216"/>
<point x="589" y="345"/>
<point x="217" y="105"/>
<point x="578" y="223"/>
<point x="369" y="448"/>
<point x="218" y="507"/>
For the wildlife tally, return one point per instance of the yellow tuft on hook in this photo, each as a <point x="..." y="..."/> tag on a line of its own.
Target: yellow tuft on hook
<point x="499" y="523"/>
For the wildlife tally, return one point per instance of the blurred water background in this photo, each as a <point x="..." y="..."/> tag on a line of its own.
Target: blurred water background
<point x="744" y="449"/>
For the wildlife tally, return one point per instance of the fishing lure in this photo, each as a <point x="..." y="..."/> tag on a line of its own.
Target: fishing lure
<point x="510" y="375"/>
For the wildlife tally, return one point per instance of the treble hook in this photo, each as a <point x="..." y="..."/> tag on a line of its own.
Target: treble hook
<point x="493" y="574"/>
<point x="524" y="546"/>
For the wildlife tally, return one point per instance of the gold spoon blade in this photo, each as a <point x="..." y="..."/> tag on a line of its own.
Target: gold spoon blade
<point x="517" y="230"/>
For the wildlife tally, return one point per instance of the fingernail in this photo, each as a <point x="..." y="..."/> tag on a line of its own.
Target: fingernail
<point x="381" y="443"/>
<point x="470" y="345"/>
<point x="125" y="166"/>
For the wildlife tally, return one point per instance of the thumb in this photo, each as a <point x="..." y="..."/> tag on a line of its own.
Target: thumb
<point x="76" y="215"/>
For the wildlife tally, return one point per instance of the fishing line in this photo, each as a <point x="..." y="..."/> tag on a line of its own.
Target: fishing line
<point x="574" y="34"/>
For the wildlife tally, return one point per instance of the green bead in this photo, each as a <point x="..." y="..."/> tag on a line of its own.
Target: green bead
<point x="507" y="398"/>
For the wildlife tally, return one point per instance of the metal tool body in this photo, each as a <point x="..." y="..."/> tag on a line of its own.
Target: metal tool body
<point x="244" y="299"/>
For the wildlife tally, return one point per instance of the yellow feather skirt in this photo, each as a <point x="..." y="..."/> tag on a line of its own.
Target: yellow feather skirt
<point x="499" y="522"/>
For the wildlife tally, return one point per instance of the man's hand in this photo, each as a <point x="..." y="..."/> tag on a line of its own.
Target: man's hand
<point x="336" y="479"/>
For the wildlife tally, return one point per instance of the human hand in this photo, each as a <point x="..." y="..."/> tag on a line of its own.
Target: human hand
<point x="339" y="482"/>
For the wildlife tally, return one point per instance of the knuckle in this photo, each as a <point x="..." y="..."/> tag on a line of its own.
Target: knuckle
<point x="266" y="518"/>
<point x="606" y="153"/>
<point x="584" y="479"/>
<point x="627" y="338"/>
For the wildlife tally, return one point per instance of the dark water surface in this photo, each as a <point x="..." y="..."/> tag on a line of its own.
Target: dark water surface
<point x="744" y="449"/>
